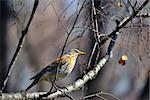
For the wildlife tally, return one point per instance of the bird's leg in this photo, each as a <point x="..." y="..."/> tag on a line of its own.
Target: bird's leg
<point x="53" y="85"/>
<point x="45" y="95"/>
<point x="57" y="86"/>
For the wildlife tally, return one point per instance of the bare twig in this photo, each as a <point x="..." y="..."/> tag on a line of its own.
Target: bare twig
<point x="76" y="85"/>
<point x="109" y="95"/>
<point x="95" y="21"/>
<point x="72" y="87"/>
<point x="100" y="93"/>
<point x="125" y="21"/>
<point x="21" y="41"/>
<point x="87" y="28"/>
<point x="71" y="29"/>
<point x="76" y="12"/>
<point x="59" y="20"/>
<point x="69" y="5"/>
<point x="91" y="55"/>
<point x="143" y="15"/>
<point x="48" y="5"/>
<point x="80" y="82"/>
<point x="96" y="34"/>
<point x="65" y="44"/>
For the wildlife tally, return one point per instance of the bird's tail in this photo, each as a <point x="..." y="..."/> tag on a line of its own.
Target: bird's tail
<point x="36" y="79"/>
<point x="32" y="84"/>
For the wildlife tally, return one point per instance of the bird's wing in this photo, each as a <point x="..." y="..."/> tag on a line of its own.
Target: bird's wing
<point x="52" y="67"/>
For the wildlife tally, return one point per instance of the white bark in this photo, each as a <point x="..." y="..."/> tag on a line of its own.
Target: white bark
<point x="80" y="82"/>
<point x="72" y="87"/>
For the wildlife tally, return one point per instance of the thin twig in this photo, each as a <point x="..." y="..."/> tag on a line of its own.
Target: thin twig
<point x="98" y="95"/>
<point x="96" y="34"/>
<point x="72" y="87"/>
<point x="125" y="21"/>
<point x="91" y="55"/>
<point x="109" y="95"/>
<point x="48" y="5"/>
<point x="69" y="5"/>
<point x="90" y="75"/>
<point x="21" y="41"/>
<point x="75" y="13"/>
<point x="87" y="27"/>
<point x="71" y="31"/>
<point x="143" y="15"/>
<point x="59" y="20"/>
<point x="67" y="95"/>
<point x="66" y="43"/>
<point x="95" y="21"/>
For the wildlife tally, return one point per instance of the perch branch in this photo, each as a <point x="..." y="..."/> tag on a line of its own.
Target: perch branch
<point x="63" y="48"/>
<point x="72" y="87"/>
<point x="80" y="82"/>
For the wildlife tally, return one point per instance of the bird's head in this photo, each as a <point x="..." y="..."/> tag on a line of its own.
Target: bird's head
<point x="76" y="52"/>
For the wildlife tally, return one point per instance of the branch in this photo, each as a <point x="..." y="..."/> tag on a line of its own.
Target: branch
<point x="92" y="73"/>
<point x="80" y="82"/>
<point x="125" y="22"/>
<point x="98" y="94"/>
<point x="143" y="15"/>
<point x="20" y="96"/>
<point x="72" y="28"/>
<point x="72" y="87"/>
<point x="94" y="20"/>
<point x="65" y="43"/>
<point x="21" y="41"/>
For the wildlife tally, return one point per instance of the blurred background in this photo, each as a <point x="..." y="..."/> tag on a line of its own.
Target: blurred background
<point x="46" y="36"/>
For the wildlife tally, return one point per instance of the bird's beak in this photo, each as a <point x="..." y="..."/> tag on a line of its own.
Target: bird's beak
<point x="82" y="53"/>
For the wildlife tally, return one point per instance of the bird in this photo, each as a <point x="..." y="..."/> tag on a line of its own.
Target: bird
<point x="58" y="69"/>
